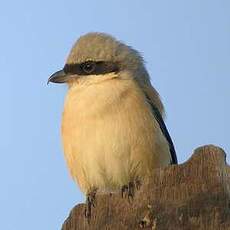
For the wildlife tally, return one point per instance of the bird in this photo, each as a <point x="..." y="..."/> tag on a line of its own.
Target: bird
<point x="113" y="129"/>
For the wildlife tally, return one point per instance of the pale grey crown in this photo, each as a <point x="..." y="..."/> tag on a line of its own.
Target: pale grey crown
<point x="103" y="47"/>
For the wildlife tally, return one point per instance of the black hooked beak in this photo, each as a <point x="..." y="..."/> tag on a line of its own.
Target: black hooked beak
<point x="59" y="77"/>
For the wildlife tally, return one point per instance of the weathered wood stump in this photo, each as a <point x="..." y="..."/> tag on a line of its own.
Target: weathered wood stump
<point x="192" y="195"/>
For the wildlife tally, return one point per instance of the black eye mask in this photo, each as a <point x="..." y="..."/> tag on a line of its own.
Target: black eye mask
<point x="91" y="68"/>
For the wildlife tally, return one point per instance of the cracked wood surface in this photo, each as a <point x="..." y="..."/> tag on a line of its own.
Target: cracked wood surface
<point x="192" y="195"/>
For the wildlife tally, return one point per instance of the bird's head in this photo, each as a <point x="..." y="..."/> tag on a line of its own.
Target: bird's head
<point x="97" y="57"/>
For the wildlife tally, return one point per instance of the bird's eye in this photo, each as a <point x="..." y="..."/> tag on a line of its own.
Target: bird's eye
<point x="88" y="67"/>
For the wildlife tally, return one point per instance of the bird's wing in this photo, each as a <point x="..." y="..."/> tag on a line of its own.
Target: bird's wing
<point x="153" y="99"/>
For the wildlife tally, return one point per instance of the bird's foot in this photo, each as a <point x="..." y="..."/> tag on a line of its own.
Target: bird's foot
<point x="137" y="184"/>
<point x="128" y="190"/>
<point x="90" y="202"/>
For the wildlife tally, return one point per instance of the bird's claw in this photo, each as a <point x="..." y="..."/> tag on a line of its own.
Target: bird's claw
<point x="90" y="202"/>
<point x="129" y="190"/>
<point x="124" y="191"/>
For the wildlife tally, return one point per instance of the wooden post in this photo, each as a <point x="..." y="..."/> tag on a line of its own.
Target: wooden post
<point x="192" y="195"/>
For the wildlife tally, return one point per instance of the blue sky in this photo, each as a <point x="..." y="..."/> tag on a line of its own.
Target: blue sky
<point x="187" y="50"/>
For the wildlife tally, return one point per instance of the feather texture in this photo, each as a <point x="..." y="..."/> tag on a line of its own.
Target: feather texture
<point x="110" y="135"/>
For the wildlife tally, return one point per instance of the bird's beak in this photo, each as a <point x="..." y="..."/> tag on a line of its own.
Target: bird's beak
<point x="59" y="77"/>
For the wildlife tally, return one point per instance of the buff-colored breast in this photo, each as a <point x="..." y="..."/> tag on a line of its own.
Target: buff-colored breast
<point x="110" y="136"/>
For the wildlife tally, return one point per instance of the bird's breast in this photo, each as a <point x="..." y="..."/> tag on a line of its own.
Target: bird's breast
<point x="107" y="130"/>
<point x="114" y="105"/>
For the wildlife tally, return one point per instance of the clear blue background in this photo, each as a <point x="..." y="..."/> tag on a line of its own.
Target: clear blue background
<point x="186" y="45"/>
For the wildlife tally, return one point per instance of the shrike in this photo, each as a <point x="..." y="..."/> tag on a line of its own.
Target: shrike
<point x="112" y="127"/>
